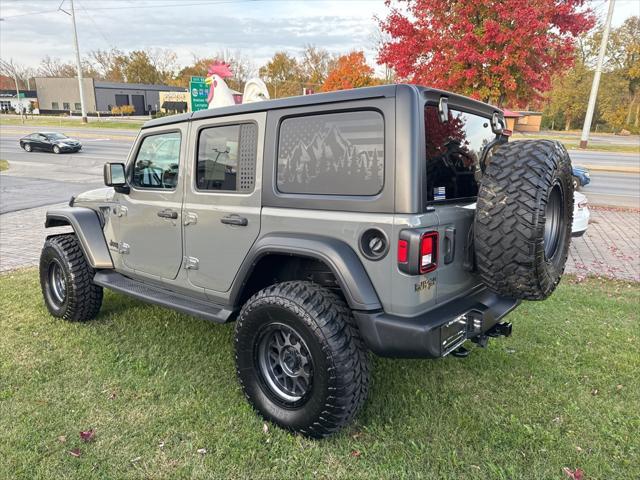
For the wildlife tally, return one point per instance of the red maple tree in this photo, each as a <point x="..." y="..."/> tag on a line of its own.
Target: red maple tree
<point x="500" y="51"/>
<point x="349" y="71"/>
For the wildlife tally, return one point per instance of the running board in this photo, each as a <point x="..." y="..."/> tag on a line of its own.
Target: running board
<point x="161" y="296"/>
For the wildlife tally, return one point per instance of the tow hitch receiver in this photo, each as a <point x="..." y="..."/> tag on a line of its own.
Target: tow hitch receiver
<point x="502" y="329"/>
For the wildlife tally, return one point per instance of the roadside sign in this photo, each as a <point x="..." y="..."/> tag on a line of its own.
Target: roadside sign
<point x="199" y="92"/>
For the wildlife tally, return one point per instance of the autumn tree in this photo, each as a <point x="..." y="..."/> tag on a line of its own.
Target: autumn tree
<point x="283" y="76"/>
<point x="54" y="67"/>
<point x="110" y="64"/>
<point x="501" y="51"/>
<point x="350" y="71"/>
<point x="315" y="65"/>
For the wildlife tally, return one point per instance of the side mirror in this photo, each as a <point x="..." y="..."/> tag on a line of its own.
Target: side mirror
<point x="114" y="176"/>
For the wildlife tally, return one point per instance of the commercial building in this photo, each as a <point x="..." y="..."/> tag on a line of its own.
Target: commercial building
<point x="9" y="101"/>
<point x="59" y="95"/>
<point x="175" y="102"/>
<point x="523" y="121"/>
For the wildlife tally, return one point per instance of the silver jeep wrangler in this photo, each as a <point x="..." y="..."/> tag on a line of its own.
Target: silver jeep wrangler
<point x="393" y="219"/>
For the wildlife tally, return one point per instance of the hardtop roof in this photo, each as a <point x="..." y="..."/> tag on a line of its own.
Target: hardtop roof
<point x="315" y="99"/>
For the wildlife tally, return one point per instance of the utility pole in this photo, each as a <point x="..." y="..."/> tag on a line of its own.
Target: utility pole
<point x="584" y="139"/>
<point x="78" y="64"/>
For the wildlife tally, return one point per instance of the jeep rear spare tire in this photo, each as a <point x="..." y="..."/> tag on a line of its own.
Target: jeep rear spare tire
<point x="300" y="359"/>
<point x="523" y="219"/>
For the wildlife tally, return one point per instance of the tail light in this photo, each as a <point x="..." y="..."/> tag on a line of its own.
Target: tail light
<point x="417" y="251"/>
<point x="428" y="252"/>
<point x="403" y="251"/>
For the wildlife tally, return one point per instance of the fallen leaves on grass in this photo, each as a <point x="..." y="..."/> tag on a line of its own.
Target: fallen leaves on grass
<point x="202" y="451"/>
<point x="265" y="428"/>
<point x="62" y="439"/>
<point x="88" y="435"/>
<point x="576" y="474"/>
<point x="75" y="452"/>
<point x="356" y="453"/>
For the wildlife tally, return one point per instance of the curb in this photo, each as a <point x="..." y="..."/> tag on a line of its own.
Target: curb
<point x="613" y="169"/>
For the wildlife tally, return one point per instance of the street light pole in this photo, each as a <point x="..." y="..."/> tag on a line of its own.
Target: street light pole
<point x="584" y="139"/>
<point x="78" y="64"/>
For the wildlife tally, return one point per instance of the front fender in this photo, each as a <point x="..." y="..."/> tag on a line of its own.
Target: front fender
<point x="337" y="255"/>
<point x="88" y="230"/>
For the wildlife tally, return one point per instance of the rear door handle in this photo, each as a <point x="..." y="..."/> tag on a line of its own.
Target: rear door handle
<point x="449" y="244"/>
<point x="172" y="214"/>
<point x="235" y="220"/>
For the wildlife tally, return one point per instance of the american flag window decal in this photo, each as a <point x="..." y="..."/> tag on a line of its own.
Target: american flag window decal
<point x="332" y="154"/>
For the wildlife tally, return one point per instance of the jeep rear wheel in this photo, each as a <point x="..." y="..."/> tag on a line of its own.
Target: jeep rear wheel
<point x="66" y="280"/>
<point x="523" y="219"/>
<point x="300" y="359"/>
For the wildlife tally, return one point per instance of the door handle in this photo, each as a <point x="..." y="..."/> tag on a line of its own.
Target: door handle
<point x="235" y="220"/>
<point x="449" y="244"/>
<point x="172" y="214"/>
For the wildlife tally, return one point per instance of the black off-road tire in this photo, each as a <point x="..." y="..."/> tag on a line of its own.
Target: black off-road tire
<point x="515" y="257"/>
<point x="74" y="297"/>
<point x="339" y="361"/>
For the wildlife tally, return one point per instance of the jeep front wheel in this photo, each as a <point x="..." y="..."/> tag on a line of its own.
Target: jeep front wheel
<point x="66" y="280"/>
<point x="300" y="359"/>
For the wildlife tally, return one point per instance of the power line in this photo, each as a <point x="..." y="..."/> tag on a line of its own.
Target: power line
<point x="102" y="34"/>
<point x="142" y="6"/>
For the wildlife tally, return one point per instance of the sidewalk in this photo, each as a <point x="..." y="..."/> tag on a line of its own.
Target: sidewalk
<point x="610" y="248"/>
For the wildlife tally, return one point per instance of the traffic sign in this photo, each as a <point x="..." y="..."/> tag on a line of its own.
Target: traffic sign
<point x="199" y="91"/>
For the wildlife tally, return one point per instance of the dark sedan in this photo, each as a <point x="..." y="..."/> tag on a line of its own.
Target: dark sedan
<point x="50" y="142"/>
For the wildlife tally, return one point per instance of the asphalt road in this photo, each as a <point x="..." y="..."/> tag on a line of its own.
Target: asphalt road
<point x="37" y="178"/>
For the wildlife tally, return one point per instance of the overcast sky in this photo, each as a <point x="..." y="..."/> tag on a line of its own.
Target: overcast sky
<point x="201" y="27"/>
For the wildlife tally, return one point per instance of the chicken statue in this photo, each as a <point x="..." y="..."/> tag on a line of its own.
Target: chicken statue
<point x="220" y="95"/>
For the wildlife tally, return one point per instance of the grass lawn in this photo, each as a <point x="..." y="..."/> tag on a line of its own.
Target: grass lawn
<point x="67" y="122"/>
<point x="4" y="165"/>
<point x="157" y="386"/>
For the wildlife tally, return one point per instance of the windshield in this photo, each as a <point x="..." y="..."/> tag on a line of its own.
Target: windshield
<point x="56" y="136"/>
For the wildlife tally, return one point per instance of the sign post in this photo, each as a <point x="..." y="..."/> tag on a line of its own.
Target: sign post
<point x="199" y="92"/>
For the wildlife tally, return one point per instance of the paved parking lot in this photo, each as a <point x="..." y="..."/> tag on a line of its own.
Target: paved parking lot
<point x="610" y="248"/>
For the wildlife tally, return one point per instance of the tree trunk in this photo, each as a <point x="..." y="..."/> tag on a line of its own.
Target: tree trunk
<point x="567" y="123"/>
<point x="637" y="122"/>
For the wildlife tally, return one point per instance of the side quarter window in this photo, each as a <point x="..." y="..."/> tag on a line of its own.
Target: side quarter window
<point x="227" y="158"/>
<point x="157" y="162"/>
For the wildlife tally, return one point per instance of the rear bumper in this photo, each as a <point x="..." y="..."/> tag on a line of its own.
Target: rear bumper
<point x="429" y="335"/>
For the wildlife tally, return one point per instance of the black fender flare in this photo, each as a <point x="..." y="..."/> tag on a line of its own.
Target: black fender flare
<point x="88" y="229"/>
<point x="336" y="254"/>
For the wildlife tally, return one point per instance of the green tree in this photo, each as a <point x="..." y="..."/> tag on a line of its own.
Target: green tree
<point x="283" y="76"/>
<point x="569" y="95"/>
<point x="138" y="68"/>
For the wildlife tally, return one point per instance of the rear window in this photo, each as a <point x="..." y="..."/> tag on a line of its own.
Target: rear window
<point x="454" y="150"/>
<point x="332" y="154"/>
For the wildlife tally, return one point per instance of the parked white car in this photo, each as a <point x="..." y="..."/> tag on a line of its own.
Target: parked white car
<point x="581" y="215"/>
